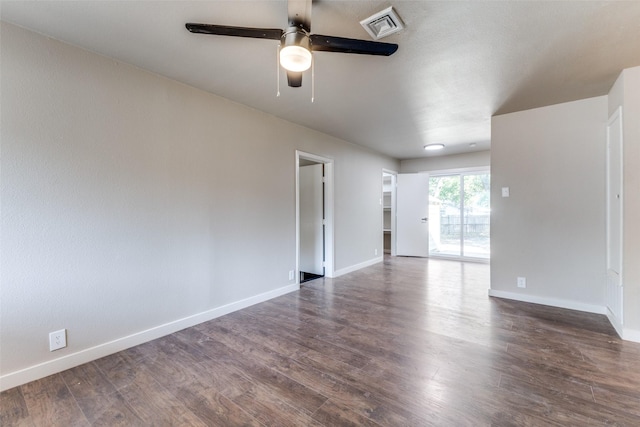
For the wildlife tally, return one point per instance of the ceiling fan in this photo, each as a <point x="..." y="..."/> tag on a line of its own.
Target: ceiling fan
<point x="296" y="42"/>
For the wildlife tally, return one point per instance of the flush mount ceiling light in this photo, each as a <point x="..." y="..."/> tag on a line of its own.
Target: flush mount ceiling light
<point x="433" y="147"/>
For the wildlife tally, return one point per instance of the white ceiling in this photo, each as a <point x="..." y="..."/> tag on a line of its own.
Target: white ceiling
<point x="459" y="62"/>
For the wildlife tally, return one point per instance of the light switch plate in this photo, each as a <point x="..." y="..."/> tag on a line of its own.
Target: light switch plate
<point x="505" y="191"/>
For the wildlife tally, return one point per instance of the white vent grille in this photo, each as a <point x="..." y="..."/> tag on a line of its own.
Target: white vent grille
<point x="383" y="24"/>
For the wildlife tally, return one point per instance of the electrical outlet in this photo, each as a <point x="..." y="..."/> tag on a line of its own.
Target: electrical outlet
<point x="375" y="252"/>
<point x="291" y="274"/>
<point x="57" y="340"/>
<point x="522" y="282"/>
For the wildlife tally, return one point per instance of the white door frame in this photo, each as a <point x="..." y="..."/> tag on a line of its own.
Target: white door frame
<point x="614" y="292"/>
<point x="328" y="212"/>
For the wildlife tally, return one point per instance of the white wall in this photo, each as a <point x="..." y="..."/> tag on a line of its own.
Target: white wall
<point x="626" y="93"/>
<point x="455" y="161"/>
<point x="133" y="205"/>
<point x="551" y="228"/>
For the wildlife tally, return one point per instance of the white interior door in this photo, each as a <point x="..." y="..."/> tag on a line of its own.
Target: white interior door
<point x="412" y="215"/>
<point x="614" y="293"/>
<point x="311" y="219"/>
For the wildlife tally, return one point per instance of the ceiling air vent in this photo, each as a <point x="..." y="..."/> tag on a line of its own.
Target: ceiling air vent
<point x="383" y="24"/>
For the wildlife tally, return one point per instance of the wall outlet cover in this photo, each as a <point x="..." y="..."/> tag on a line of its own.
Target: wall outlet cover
<point x="57" y="340"/>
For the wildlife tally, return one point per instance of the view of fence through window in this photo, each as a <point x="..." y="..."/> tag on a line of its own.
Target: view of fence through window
<point x="459" y="215"/>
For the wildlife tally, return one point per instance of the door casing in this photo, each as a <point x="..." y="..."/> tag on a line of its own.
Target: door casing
<point x="614" y="292"/>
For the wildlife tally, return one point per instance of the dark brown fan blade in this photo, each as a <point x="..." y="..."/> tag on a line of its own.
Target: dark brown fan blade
<point x="294" y="79"/>
<point x="340" y="44"/>
<point x="300" y="14"/>
<point x="224" y="30"/>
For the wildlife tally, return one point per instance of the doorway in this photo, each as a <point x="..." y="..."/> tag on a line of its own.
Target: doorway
<point x="314" y="217"/>
<point x="388" y="203"/>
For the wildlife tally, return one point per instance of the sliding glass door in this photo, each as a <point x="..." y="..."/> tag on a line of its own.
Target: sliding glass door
<point x="459" y="215"/>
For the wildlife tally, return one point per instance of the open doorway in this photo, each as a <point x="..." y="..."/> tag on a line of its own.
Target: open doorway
<point x="388" y="203"/>
<point x="311" y="197"/>
<point x="314" y="225"/>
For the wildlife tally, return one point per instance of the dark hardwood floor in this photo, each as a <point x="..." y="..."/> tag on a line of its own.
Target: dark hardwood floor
<point x="410" y="342"/>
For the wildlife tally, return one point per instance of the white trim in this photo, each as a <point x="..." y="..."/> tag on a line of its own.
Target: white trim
<point x="32" y="373"/>
<point x="553" y="302"/>
<point x="356" y="267"/>
<point x="631" y="335"/>
<point x="615" y="291"/>
<point x="459" y="171"/>
<point x="328" y="211"/>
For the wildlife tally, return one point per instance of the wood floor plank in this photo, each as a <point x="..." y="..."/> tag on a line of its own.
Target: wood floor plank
<point x="284" y="387"/>
<point x="617" y="400"/>
<point x="215" y="409"/>
<point x="324" y="383"/>
<point x="13" y="409"/>
<point x="332" y="413"/>
<point x="119" y="369"/>
<point x="567" y="409"/>
<point x="268" y="409"/>
<point x="407" y="342"/>
<point x="154" y="405"/>
<point x="50" y="403"/>
<point x="97" y="397"/>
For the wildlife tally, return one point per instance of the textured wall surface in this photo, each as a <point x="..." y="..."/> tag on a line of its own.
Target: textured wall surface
<point x="130" y="201"/>
<point x="551" y="228"/>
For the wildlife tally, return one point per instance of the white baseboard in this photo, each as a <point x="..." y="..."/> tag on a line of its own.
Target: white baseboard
<point x="630" y="335"/>
<point x="32" y="373"/>
<point x="624" y="333"/>
<point x="553" y="302"/>
<point x="356" y="267"/>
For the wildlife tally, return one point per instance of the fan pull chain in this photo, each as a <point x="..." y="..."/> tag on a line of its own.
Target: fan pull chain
<point x="278" y="71"/>
<point x="313" y="80"/>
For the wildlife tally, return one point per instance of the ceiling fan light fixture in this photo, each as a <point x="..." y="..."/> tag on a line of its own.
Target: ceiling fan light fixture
<point x="295" y="54"/>
<point x="295" y="58"/>
<point x="433" y="147"/>
<point x="297" y="43"/>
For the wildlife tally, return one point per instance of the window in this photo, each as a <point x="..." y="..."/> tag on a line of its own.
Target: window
<point x="459" y="215"/>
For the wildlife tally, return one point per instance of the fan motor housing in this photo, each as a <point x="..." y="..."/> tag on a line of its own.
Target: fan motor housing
<point x="294" y="36"/>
